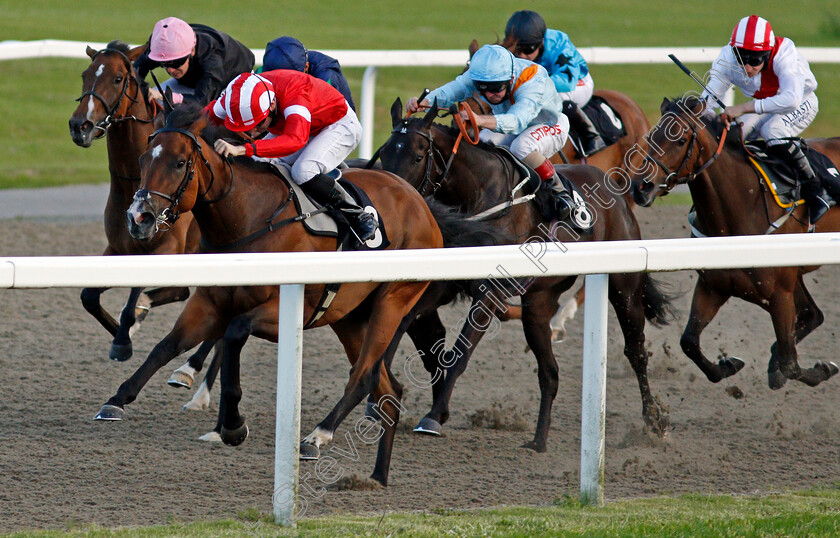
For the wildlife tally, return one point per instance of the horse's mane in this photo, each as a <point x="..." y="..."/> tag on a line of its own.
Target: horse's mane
<point x="712" y="122"/>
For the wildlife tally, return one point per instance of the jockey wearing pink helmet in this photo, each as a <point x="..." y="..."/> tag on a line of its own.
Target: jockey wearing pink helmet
<point x="199" y="59"/>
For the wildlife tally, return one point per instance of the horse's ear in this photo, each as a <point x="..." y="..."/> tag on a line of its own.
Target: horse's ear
<point x="473" y="48"/>
<point x="430" y="116"/>
<point x="90" y="52"/>
<point x="167" y="100"/>
<point x="135" y="53"/>
<point x="396" y="112"/>
<point x="664" y="106"/>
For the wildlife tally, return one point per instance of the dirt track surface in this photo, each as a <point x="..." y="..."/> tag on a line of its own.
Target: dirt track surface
<point x="57" y="466"/>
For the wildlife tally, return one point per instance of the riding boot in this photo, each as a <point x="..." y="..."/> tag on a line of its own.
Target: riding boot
<point x="563" y="203"/>
<point x="817" y="200"/>
<point x="326" y="191"/>
<point x="580" y="122"/>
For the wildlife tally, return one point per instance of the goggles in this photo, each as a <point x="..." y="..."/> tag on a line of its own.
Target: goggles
<point x="174" y="64"/>
<point x="751" y="58"/>
<point x="527" y="48"/>
<point x="495" y="86"/>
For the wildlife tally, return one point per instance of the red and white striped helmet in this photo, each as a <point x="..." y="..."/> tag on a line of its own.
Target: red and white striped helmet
<point x="753" y="33"/>
<point x="245" y="102"/>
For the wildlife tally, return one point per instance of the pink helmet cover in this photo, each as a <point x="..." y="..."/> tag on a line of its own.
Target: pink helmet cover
<point x="171" y="39"/>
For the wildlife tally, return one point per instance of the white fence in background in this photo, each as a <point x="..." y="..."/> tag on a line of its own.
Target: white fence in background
<point x="371" y="60"/>
<point x="533" y="258"/>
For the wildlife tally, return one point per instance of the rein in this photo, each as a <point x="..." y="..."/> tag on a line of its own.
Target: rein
<point x="672" y="178"/>
<point x="110" y="119"/>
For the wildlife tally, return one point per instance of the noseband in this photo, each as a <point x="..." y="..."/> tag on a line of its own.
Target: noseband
<point x="110" y="119"/>
<point x="170" y="214"/>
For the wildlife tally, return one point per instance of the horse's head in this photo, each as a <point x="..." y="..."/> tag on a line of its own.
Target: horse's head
<point x="173" y="169"/>
<point x="679" y="147"/>
<point x="410" y="151"/>
<point x="106" y="92"/>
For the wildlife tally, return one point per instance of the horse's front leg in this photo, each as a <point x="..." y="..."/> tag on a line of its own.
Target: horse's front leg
<point x="783" y="313"/>
<point x="91" y="302"/>
<point x="121" y="348"/>
<point x="198" y="322"/>
<point x="704" y="306"/>
<point x="566" y="313"/>
<point x="479" y="320"/>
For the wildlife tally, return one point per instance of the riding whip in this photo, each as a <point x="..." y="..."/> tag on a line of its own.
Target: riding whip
<point x="692" y="75"/>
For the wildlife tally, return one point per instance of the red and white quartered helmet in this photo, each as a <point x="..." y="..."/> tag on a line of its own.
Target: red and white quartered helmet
<point x="171" y="39"/>
<point x="245" y="102"/>
<point x="753" y="33"/>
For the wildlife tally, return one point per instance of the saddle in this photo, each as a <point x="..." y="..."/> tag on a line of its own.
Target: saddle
<point x="606" y="119"/>
<point x="782" y="179"/>
<point x="582" y="216"/>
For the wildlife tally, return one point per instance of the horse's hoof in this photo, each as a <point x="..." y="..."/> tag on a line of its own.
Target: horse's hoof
<point x="120" y="352"/>
<point x="730" y="366"/>
<point x="211" y="437"/>
<point x="775" y="380"/>
<point x="236" y="436"/>
<point x="308" y="451"/>
<point x="829" y="368"/>
<point x="558" y="335"/>
<point x="428" y="426"/>
<point x="110" y="412"/>
<point x="180" y="379"/>
<point x="371" y="411"/>
<point x="535" y="446"/>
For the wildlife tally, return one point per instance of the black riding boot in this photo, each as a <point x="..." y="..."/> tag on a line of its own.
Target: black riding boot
<point x="811" y="190"/>
<point x="324" y="190"/>
<point x="580" y="122"/>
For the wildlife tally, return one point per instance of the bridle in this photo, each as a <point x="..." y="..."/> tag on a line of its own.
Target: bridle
<point x="432" y="153"/>
<point x="111" y="110"/>
<point x="169" y="215"/>
<point x="673" y="178"/>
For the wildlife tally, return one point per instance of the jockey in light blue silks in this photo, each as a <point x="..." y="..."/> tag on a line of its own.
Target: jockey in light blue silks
<point x="554" y="50"/>
<point x="526" y="111"/>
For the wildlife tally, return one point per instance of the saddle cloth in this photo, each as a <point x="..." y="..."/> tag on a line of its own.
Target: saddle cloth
<point x="782" y="179"/>
<point x="582" y="215"/>
<point x="332" y="223"/>
<point x="606" y="120"/>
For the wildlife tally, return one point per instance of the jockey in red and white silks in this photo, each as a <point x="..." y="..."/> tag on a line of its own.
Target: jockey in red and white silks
<point x="784" y="103"/>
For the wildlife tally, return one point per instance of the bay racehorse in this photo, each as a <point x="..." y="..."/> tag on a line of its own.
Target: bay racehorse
<point x="247" y="205"/>
<point x="730" y="198"/>
<point x="114" y="104"/>
<point x="478" y="179"/>
<point x="613" y="159"/>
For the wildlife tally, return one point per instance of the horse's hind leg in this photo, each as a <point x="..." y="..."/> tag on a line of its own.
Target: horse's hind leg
<point x="231" y="426"/>
<point x="121" y="348"/>
<point x="808" y="317"/>
<point x="162" y="296"/>
<point x="535" y="322"/>
<point x="704" y="306"/>
<point x="626" y="299"/>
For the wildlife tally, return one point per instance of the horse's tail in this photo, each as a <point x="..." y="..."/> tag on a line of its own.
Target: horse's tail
<point x="457" y="231"/>
<point x="657" y="301"/>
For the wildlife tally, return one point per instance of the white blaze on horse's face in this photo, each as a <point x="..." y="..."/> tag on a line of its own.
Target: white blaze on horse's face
<point x="91" y="105"/>
<point x="100" y="70"/>
<point x="156" y="151"/>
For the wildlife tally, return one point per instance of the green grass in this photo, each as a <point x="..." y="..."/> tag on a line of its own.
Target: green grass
<point x="805" y="513"/>
<point x="38" y="94"/>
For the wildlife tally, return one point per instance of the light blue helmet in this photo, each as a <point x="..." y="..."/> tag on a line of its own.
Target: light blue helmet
<point x="491" y="63"/>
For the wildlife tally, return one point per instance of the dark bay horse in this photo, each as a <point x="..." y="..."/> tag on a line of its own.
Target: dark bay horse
<point x="181" y="172"/>
<point x="480" y="179"/>
<point x="730" y="199"/>
<point x="115" y="104"/>
<point x="613" y="159"/>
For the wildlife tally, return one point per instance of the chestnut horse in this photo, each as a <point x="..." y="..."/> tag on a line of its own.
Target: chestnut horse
<point x="613" y="159"/>
<point x="115" y="104"/>
<point x="730" y="199"/>
<point x="247" y="205"/>
<point x="481" y="179"/>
